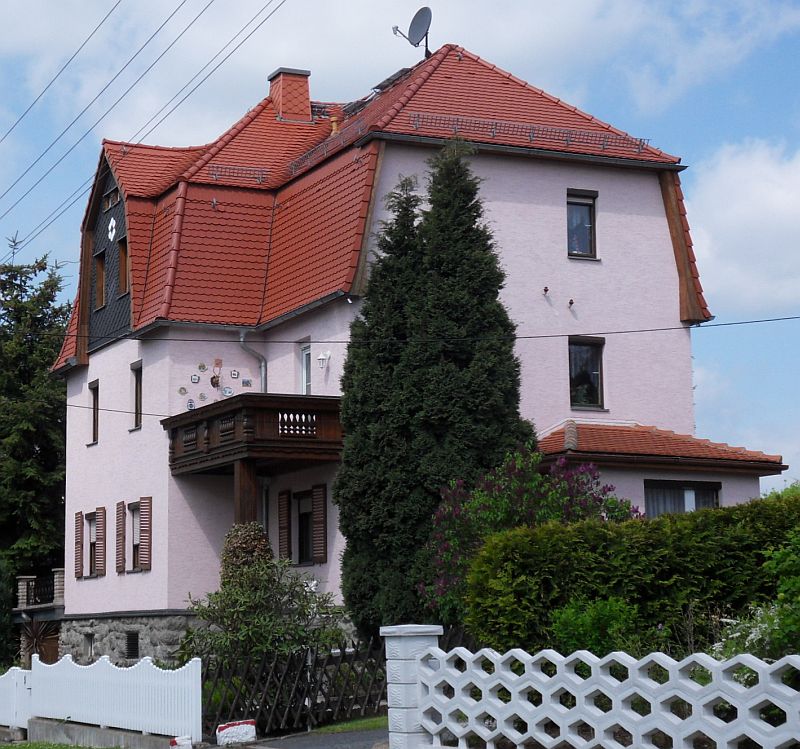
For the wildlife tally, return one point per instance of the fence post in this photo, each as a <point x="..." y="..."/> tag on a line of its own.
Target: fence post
<point x="404" y="644"/>
<point x="58" y="585"/>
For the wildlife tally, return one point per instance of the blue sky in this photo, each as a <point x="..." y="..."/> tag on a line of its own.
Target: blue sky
<point x="713" y="83"/>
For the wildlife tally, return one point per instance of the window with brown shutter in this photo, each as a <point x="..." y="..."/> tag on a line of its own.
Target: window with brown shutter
<point x="319" y="524"/>
<point x="121" y="518"/>
<point x="78" y="545"/>
<point x="100" y="546"/>
<point x="145" y="533"/>
<point x="284" y="524"/>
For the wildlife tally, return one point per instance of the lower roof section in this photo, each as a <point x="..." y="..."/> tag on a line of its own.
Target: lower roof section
<point x="647" y="446"/>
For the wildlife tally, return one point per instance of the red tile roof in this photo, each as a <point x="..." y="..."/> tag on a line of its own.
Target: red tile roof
<point x="604" y="442"/>
<point x="271" y="215"/>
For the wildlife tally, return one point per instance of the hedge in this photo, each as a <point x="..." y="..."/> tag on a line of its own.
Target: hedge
<point x="711" y="559"/>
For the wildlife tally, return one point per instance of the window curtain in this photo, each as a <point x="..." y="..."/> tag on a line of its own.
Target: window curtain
<point x="659" y="500"/>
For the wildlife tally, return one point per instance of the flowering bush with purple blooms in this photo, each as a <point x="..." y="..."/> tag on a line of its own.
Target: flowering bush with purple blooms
<point x="519" y="492"/>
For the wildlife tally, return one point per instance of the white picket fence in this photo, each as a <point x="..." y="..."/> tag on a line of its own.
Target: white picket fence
<point x="141" y="698"/>
<point x="493" y="700"/>
<point x="15" y="698"/>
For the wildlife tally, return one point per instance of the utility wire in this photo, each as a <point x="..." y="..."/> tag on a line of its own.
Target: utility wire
<point x="532" y="337"/>
<point x="63" y="68"/>
<point x="65" y="205"/>
<point x="107" y="112"/>
<point x="82" y="112"/>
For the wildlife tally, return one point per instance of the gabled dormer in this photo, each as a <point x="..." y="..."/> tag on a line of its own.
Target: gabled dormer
<point x="106" y="266"/>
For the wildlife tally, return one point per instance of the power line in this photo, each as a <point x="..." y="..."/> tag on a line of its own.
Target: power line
<point x="106" y="113"/>
<point x="449" y="339"/>
<point x="63" y="68"/>
<point x="65" y="205"/>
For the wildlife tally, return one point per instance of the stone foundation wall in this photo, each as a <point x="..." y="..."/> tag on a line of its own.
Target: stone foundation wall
<point x="158" y="636"/>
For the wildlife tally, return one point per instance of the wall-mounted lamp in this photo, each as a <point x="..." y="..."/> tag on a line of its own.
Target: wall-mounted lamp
<point x="322" y="359"/>
<point x="545" y="290"/>
<point x="571" y="302"/>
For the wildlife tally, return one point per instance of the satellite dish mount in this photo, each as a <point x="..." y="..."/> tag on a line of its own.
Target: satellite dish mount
<point x="418" y="30"/>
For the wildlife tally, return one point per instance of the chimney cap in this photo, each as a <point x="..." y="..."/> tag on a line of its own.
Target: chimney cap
<point x="291" y="71"/>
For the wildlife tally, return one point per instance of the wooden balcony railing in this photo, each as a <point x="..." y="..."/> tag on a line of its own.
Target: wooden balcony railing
<point x="279" y="432"/>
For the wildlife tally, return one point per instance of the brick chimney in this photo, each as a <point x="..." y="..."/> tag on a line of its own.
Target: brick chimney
<point x="288" y="89"/>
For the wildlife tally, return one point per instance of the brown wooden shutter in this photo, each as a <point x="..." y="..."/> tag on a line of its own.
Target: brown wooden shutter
<point x="285" y="525"/>
<point x="100" y="546"/>
<point x="121" y="518"/>
<point x="319" y="524"/>
<point x="145" y="533"/>
<point x="78" y="545"/>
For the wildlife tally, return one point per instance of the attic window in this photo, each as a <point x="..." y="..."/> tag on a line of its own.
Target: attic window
<point x="111" y="198"/>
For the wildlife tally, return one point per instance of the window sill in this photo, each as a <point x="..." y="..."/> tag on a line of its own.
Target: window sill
<point x="302" y="564"/>
<point x="601" y="409"/>
<point x="134" y="571"/>
<point x="102" y="306"/>
<point x="594" y="258"/>
<point x="93" y="576"/>
<point x="91" y="444"/>
<point x="135" y="429"/>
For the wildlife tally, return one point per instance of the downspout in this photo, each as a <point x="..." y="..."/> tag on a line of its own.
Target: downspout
<point x="262" y="362"/>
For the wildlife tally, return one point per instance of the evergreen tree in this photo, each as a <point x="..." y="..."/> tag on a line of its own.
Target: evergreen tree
<point x="430" y="387"/>
<point x="32" y="420"/>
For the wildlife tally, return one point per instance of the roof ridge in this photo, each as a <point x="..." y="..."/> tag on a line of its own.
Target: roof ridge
<point x="426" y="69"/>
<point x="213" y="148"/>
<point x="580" y="112"/>
<point x="152" y="147"/>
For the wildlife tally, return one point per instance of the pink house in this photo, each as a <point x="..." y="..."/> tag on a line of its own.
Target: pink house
<point x="217" y="286"/>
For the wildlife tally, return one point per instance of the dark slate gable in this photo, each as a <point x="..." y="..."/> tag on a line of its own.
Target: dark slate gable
<point x="112" y="320"/>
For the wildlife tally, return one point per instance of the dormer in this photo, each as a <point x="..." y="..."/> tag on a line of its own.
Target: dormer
<point x="105" y="265"/>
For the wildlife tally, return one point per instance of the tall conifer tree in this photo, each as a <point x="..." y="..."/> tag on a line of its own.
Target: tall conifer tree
<point x="430" y="386"/>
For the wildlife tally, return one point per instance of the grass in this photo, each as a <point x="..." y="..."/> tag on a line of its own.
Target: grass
<point x="360" y="724"/>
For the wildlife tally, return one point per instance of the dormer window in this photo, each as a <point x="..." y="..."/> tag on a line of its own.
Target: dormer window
<point x="99" y="280"/>
<point x="111" y="198"/>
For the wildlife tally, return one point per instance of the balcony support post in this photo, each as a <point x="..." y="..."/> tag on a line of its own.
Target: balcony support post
<point x="245" y="492"/>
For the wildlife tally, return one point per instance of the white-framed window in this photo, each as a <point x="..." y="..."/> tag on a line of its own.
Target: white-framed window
<point x="305" y="369"/>
<point x="663" y="497"/>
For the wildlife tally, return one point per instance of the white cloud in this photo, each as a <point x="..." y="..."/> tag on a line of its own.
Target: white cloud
<point x="742" y="203"/>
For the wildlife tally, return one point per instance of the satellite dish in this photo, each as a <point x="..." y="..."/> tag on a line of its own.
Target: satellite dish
<point x="418" y="30"/>
<point x="420" y="23"/>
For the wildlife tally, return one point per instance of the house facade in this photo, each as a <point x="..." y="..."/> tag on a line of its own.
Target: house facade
<point x="217" y="286"/>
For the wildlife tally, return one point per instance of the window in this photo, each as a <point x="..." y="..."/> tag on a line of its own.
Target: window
<point x="124" y="266"/>
<point x="91" y="528"/>
<point x="136" y="373"/>
<point x="136" y="536"/>
<point x="88" y="647"/>
<point x="586" y="372"/>
<point x="94" y="393"/>
<point x="580" y="223"/>
<point x="662" y="497"/>
<point x="111" y="198"/>
<point x="305" y="370"/>
<point x="99" y="280"/>
<point x="132" y="645"/>
<point x="303" y="525"/>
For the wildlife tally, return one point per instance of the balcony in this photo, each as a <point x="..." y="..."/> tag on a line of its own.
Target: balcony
<point x="273" y="433"/>
<point x="40" y="593"/>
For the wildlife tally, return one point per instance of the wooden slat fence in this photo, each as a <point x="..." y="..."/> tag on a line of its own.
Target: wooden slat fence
<point x="285" y="693"/>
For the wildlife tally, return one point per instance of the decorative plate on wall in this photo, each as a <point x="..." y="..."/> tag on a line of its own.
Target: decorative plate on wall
<point x="202" y="367"/>
<point x="202" y="396"/>
<point x="227" y="391"/>
<point x="234" y="374"/>
<point x="182" y="390"/>
<point x="190" y="405"/>
<point x="195" y="378"/>
<point x="247" y="383"/>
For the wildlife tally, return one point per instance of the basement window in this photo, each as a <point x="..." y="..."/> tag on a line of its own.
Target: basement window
<point x="132" y="646"/>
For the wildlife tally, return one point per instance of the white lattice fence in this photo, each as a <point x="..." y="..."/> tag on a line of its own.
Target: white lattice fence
<point x="140" y="698"/>
<point x="15" y="698"/>
<point x="546" y="700"/>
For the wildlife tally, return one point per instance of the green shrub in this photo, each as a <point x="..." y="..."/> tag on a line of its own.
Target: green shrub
<point x="701" y="561"/>
<point x="601" y="627"/>
<point x="516" y="493"/>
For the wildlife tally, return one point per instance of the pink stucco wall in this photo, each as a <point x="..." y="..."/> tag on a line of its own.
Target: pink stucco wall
<point x="630" y="484"/>
<point x="633" y="284"/>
